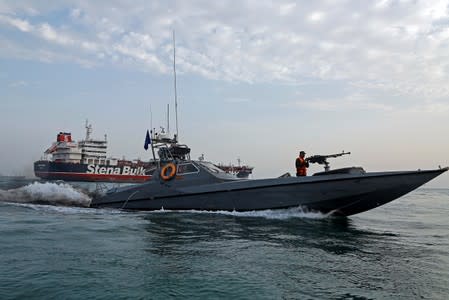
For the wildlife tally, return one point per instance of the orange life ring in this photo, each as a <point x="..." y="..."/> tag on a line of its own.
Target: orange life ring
<point x="168" y="171"/>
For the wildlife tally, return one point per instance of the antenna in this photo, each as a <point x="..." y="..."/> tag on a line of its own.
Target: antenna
<point x="176" y="95"/>
<point x="168" y="118"/>
<point x="151" y="118"/>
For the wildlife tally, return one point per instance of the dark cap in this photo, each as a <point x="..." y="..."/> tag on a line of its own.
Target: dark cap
<point x="302" y="152"/>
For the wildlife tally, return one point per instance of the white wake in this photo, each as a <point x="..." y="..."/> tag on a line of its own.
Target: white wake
<point x="280" y="214"/>
<point x="60" y="194"/>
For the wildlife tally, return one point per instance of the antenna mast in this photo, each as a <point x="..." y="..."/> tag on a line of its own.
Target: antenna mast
<point x="168" y="118"/>
<point x="151" y="118"/>
<point x="176" y="95"/>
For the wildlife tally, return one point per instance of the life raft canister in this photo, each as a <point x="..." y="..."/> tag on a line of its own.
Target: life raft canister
<point x="168" y="171"/>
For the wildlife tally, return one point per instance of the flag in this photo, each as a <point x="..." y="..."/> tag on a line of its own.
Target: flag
<point x="147" y="140"/>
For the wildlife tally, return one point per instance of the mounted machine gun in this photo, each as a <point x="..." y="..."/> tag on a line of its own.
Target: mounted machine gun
<point x="322" y="159"/>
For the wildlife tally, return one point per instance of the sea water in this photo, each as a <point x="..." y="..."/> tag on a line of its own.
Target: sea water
<point x="52" y="246"/>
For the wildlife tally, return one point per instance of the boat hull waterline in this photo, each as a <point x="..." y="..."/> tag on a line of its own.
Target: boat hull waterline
<point x="340" y="194"/>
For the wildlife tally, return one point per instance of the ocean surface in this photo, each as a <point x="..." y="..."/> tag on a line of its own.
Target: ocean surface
<point x="52" y="246"/>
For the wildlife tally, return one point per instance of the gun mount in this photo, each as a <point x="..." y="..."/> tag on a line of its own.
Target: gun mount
<point x="322" y="159"/>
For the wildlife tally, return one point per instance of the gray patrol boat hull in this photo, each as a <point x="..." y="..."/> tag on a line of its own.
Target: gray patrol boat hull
<point x="338" y="194"/>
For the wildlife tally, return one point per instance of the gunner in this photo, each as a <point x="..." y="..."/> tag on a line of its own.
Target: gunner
<point x="301" y="164"/>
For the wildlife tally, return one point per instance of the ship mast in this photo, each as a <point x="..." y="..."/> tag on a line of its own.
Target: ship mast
<point x="151" y="119"/>
<point x="176" y="137"/>
<point x="168" y="118"/>
<point x="176" y="94"/>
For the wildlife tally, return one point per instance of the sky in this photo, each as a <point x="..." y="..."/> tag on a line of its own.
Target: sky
<point x="256" y="80"/>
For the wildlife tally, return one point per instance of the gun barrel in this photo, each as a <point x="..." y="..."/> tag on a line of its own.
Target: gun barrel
<point x="321" y="159"/>
<point x="338" y="154"/>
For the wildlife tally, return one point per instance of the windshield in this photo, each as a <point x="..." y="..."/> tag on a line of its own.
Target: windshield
<point x="216" y="171"/>
<point x="187" y="168"/>
<point x="211" y="167"/>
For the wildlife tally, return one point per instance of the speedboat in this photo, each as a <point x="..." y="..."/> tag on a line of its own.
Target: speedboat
<point x="183" y="184"/>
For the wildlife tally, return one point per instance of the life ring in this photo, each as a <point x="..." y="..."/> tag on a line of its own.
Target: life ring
<point x="168" y="171"/>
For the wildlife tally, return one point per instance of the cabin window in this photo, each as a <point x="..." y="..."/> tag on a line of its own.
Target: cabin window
<point x="187" y="168"/>
<point x="211" y="167"/>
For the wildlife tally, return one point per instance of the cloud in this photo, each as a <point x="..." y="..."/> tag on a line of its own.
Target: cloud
<point x="237" y="100"/>
<point x="432" y="107"/>
<point x="50" y="34"/>
<point x="353" y="102"/>
<point x="286" y="8"/>
<point x="13" y="50"/>
<point x="397" y="46"/>
<point x="22" y="25"/>
<point x="43" y="31"/>
<point x="316" y="16"/>
<point x="18" y="84"/>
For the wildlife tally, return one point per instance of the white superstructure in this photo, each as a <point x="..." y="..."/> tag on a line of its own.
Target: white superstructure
<point x="87" y="151"/>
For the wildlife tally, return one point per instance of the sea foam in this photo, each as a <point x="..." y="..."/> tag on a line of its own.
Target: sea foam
<point x="280" y="214"/>
<point x="60" y="194"/>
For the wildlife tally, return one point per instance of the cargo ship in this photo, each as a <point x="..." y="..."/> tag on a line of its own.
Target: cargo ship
<point x="86" y="161"/>
<point x="240" y="171"/>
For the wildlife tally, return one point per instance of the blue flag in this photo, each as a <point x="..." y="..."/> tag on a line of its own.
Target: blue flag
<point x="147" y="140"/>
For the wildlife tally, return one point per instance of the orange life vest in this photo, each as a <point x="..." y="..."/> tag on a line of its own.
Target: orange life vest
<point x="301" y="170"/>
